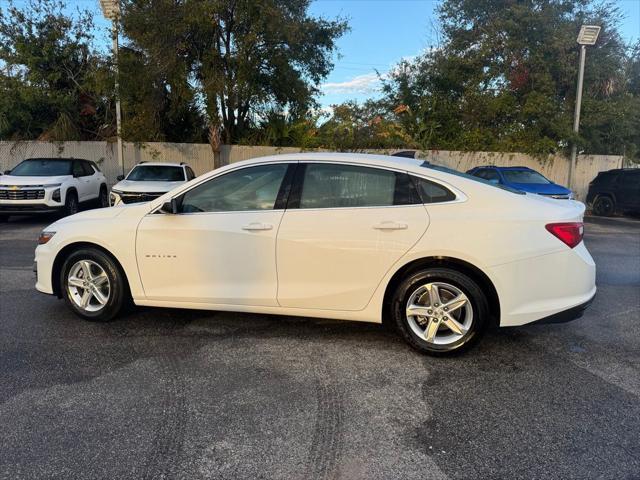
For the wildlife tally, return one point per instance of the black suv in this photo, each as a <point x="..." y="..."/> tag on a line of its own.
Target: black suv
<point x="615" y="191"/>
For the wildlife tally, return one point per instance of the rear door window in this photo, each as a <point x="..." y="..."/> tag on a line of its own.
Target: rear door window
<point x="351" y="186"/>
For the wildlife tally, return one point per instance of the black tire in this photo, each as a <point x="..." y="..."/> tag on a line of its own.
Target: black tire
<point x="4" y="218"/>
<point x="103" y="198"/>
<point x="71" y="206"/>
<point x="474" y="294"/>
<point x="604" y="206"/>
<point x="119" y="295"/>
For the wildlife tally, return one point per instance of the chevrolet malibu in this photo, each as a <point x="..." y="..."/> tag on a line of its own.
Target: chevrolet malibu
<point x="439" y="254"/>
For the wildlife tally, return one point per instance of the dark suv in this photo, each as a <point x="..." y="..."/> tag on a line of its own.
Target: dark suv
<point x="615" y="191"/>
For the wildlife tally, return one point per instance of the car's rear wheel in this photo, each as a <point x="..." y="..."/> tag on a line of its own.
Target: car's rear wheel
<point x="604" y="206"/>
<point x="71" y="203"/>
<point x="93" y="285"/>
<point x="440" y="311"/>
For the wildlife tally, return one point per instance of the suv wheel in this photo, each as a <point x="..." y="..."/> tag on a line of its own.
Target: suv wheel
<point x="604" y="206"/>
<point x="440" y="311"/>
<point x="93" y="285"/>
<point x="103" y="199"/>
<point x="71" y="203"/>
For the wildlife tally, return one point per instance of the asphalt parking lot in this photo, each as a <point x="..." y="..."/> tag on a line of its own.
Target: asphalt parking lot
<point x="190" y="394"/>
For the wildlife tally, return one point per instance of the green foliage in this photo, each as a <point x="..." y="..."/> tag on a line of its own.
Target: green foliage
<point x="49" y="82"/>
<point x="505" y="79"/>
<point x="240" y="58"/>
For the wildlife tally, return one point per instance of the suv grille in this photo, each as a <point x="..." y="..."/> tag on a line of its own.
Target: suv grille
<point x="30" y="194"/>
<point x="139" y="197"/>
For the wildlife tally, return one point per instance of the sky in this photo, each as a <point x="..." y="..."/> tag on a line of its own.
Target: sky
<point x="383" y="32"/>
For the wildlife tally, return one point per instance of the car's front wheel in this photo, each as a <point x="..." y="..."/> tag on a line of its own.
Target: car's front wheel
<point x="103" y="199"/>
<point x="93" y="285"/>
<point x="440" y="311"/>
<point x="71" y="203"/>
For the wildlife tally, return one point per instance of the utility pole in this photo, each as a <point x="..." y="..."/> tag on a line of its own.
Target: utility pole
<point x="111" y="10"/>
<point x="587" y="36"/>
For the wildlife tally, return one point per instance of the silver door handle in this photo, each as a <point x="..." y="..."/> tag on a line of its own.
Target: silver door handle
<point x="257" y="226"/>
<point x="389" y="225"/>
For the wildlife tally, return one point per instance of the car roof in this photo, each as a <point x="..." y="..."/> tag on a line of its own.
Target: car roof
<point x="57" y="159"/>
<point x="360" y="158"/>
<point x="164" y="164"/>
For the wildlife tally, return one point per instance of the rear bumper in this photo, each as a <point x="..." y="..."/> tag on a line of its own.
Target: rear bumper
<point x="567" y="315"/>
<point x="539" y="288"/>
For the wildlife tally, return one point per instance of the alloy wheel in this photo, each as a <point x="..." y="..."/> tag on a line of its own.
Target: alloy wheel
<point x="88" y="286"/>
<point x="439" y="313"/>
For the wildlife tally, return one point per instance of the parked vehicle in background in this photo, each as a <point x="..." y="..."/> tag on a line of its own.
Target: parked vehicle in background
<point x="615" y="191"/>
<point x="524" y="179"/>
<point x="147" y="181"/>
<point x="40" y="185"/>
<point x="439" y="253"/>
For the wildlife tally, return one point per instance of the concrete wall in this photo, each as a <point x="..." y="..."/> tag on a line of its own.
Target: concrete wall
<point x="201" y="158"/>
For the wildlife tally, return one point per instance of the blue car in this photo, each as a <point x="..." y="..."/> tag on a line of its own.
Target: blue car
<point x="522" y="178"/>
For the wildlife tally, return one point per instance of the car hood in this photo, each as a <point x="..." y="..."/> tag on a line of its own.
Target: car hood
<point x="541" y="188"/>
<point x="145" y="187"/>
<point x="23" y="181"/>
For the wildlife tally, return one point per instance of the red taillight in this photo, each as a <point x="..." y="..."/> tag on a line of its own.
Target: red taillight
<point x="570" y="233"/>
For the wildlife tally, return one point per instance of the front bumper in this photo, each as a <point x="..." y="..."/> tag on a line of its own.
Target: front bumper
<point x="30" y="200"/>
<point x="27" y="208"/>
<point x="118" y="197"/>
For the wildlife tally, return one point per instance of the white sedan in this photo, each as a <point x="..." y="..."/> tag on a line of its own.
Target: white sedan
<point x="440" y="254"/>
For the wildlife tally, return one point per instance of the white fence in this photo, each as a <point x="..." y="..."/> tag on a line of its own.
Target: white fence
<point x="201" y="158"/>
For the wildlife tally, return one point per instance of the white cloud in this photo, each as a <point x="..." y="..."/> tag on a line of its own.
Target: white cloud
<point x="366" y="83"/>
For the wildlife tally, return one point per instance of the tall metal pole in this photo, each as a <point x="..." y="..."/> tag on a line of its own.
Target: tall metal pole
<point x="118" y="111"/>
<point x="576" y="118"/>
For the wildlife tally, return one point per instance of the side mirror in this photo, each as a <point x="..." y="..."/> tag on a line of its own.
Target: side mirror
<point x="170" y="208"/>
<point x="7" y="172"/>
<point x="120" y="177"/>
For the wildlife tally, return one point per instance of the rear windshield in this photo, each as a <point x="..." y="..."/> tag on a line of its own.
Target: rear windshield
<point x="471" y="177"/>
<point x="524" y="176"/>
<point x="156" y="173"/>
<point x="42" y="167"/>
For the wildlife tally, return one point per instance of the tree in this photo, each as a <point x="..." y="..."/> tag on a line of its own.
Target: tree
<point x="52" y="79"/>
<point x="504" y="78"/>
<point x="239" y="58"/>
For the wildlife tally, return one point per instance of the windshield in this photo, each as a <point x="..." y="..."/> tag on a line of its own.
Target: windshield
<point x="42" y="167"/>
<point x="471" y="177"/>
<point x="524" y="176"/>
<point x="156" y="173"/>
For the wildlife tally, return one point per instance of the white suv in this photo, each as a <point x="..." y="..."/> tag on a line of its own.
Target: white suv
<point x="39" y="185"/>
<point x="147" y="181"/>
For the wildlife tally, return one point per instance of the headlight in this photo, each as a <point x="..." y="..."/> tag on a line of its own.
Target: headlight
<point x="51" y="185"/>
<point x="45" y="237"/>
<point x="55" y="196"/>
<point x="113" y="198"/>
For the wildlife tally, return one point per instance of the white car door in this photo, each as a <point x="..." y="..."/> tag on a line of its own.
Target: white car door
<point x="220" y="246"/>
<point x="344" y="228"/>
<point x="82" y="178"/>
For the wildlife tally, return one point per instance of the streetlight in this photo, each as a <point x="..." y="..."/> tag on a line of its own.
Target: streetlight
<point x="587" y="36"/>
<point x="111" y="10"/>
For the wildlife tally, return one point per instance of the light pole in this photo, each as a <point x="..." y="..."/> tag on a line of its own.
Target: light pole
<point x="111" y="10"/>
<point x="587" y="36"/>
